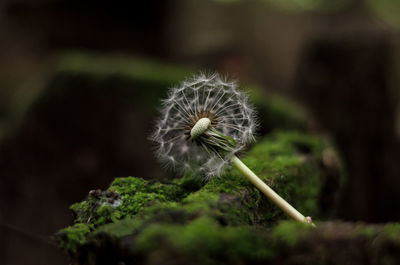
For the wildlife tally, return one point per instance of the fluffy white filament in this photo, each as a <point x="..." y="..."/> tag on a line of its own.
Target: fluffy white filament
<point x="220" y="105"/>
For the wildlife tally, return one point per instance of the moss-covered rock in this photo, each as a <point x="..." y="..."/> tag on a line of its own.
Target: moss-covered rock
<point x="133" y="212"/>
<point x="205" y="241"/>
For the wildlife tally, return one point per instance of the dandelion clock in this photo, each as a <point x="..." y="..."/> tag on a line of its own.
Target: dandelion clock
<point x="204" y="122"/>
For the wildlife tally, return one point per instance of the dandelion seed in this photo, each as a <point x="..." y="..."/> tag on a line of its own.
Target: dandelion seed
<point x="204" y="123"/>
<point x="208" y="97"/>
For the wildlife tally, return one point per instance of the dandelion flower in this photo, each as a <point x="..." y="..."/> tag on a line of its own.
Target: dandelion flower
<point x="205" y="122"/>
<point x="214" y="100"/>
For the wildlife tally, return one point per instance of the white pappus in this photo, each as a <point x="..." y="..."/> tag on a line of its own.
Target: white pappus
<point x="227" y="114"/>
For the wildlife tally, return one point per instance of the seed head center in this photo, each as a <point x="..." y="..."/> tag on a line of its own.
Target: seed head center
<point x="200" y="127"/>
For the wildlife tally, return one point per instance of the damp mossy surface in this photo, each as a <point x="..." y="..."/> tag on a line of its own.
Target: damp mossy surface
<point x="132" y="207"/>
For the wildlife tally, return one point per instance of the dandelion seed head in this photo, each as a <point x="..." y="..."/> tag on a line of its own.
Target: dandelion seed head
<point x="206" y="97"/>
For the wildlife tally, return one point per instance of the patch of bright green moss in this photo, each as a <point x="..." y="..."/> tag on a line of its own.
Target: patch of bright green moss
<point x="134" y="195"/>
<point x="200" y="201"/>
<point x="72" y="237"/>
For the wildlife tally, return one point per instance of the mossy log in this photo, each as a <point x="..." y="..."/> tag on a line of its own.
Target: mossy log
<point x="190" y="220"/>
<point x="205" y="241"/>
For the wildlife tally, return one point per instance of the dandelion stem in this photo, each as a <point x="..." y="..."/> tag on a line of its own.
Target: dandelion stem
<point x="270" y="193"/>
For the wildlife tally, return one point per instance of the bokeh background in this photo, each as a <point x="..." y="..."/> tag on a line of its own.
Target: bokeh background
<point x="80" y="81"/>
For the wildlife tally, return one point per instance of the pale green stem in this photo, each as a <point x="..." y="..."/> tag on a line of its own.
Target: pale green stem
<point x="271" y="194"/>
<point x="217" y="141"/>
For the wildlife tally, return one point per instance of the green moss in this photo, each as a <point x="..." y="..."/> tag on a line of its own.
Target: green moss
<point x="133" y="203"/>
<point x="82" y="210"/>
<point x="200" y="201"/>
<point x="204" y="241"/>
<point x="121" y="228"/>
<point x="134" y="194"/>
<point x="392" y="231"/>
<point x="279" y="162"/>
<point x="365" y="231"/>
<point x="287" y="161"/>
<point x="290" y="232"/>
<point x="189" y="183"/>
<point x="72" y="237"/>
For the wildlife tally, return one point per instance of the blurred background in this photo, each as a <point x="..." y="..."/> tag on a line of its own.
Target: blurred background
<point x="80" y="81"/>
